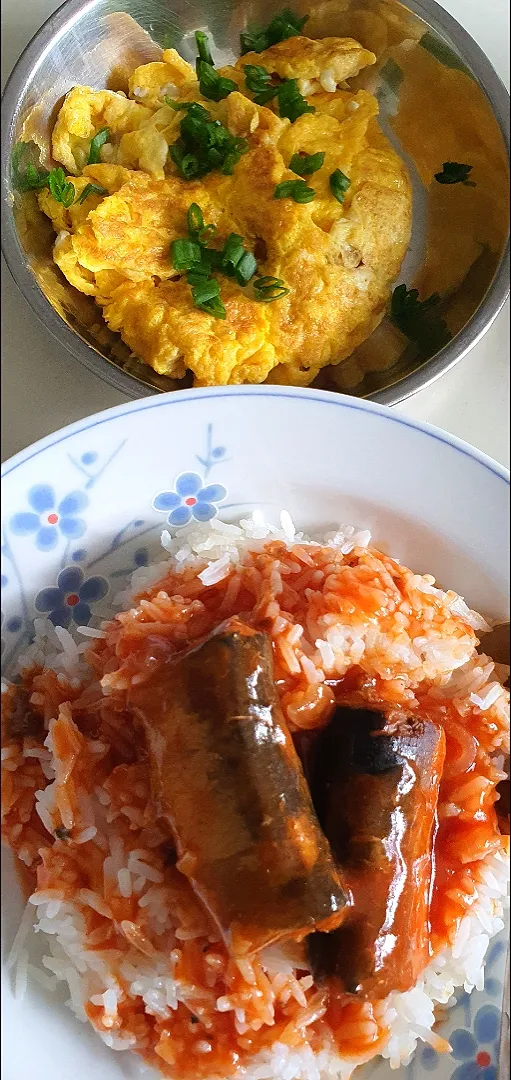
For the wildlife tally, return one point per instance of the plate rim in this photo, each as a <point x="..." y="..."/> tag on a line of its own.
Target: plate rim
<point x="180" y="397"/>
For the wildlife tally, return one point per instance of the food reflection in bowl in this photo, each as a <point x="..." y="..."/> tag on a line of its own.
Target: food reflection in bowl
<point x="304" y="294"/>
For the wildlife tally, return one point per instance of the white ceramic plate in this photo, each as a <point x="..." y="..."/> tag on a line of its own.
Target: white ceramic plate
<point x="84" y="499"/>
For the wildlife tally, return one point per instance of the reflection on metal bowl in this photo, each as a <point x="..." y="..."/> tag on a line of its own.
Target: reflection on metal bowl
<point x="439" y="98"/>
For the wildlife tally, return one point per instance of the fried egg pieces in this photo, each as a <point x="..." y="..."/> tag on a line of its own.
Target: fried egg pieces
<point x="337" y="258"/>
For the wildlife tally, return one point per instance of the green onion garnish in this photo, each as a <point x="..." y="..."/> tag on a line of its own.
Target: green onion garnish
<point x="178" y="105"/>
<point x="339" y="184"/>
<point x="240" y="147"/>
<point x="455" y="173"/>
<point x="206" y="290"/>
<point x="196" y="227"/>
<point x="211" y="85"/>
<point x="201" y="41"/>
<point x="205" y="144"/>
<point x="283" y="26"/>
<point x="194" y="219"/>
<point x="61" y="189"/>
<point x="25" y="175"/>
<point x="236" y="261"/>
<point x="96" y="143"/>
<point x="185" y="254"/>
<point x="206" y="296"/>
<point x="306" y="164"/>
<point x="419" y="320"/>
<point x="258" y="81"/>
<point x="92" y="189"/>
<point x="294" y="189"/>
<point x="291" y="103"/>
<point x="268" y="289"/>
<point x="190" y="255"/>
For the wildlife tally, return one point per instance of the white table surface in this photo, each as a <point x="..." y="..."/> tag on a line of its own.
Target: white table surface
<point x="43" y="389"/>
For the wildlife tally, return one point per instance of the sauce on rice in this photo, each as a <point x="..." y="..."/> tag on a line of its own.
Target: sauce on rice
<point x="77" y="808"/>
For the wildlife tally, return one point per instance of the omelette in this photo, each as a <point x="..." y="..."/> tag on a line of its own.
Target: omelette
<point x="289" y="169"/>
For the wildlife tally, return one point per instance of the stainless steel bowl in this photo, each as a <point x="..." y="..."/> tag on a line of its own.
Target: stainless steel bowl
<point x="440" y="100"/>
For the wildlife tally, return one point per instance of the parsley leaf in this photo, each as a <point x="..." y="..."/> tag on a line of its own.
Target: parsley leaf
<point x="96" y="143"/>
<point x="419" y="320"/>
<point x="339" y="184"/>
<point x="91" y="189"/>
<point x="281" y="27"/>
<point x="294" y="189"/>
<point x="455" y="173"/>
<point x="306" y="164"/>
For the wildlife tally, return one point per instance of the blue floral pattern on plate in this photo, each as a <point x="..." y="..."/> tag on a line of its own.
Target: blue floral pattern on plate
<point x="70" y="600"/>
<point x="478" y="1051"/>
<point x="190" y="498"/>
<point x="47" y="517"/>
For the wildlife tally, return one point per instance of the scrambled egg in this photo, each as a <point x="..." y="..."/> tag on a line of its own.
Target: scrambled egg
<point x="338" y="260"/>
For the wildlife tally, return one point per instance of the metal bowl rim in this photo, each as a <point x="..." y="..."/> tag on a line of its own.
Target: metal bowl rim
<point x="55" y="26"/>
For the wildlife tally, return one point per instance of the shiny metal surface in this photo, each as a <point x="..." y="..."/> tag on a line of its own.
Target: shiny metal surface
<point x="439" y="98"/>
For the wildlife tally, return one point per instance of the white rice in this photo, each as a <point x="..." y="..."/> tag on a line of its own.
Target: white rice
<point x="410" y="1016"/>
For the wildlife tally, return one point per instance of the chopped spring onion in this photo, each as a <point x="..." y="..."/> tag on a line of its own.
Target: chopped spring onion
<point x="291" y="102"/>
<point x="267" y="289"/>
<point x="205" y="144"/>
<point x="294" y="189"/>
<point x="339" y="184"/>
<point x="258" y="81"/>
<point x="196" y="227"/>
<point x="178" y="105"/>
<point x="206" y="296"/>
<point x="237" y="261"/>
<point x="306" y="164"/>
<point x="61" y="189"/>
<point x="97" y="142"/>
<point x="201" y="41"/>
<point x="212" y="85"/>
<point x="91" y="189"/>
<point x="25" y="175"/>
<point x="185" y="254"/>
<point x="282" y="26"/>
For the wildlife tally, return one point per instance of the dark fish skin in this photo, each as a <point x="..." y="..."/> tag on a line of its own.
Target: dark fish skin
<point x="227" y="778"/>
<point x="376" y="795"/>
